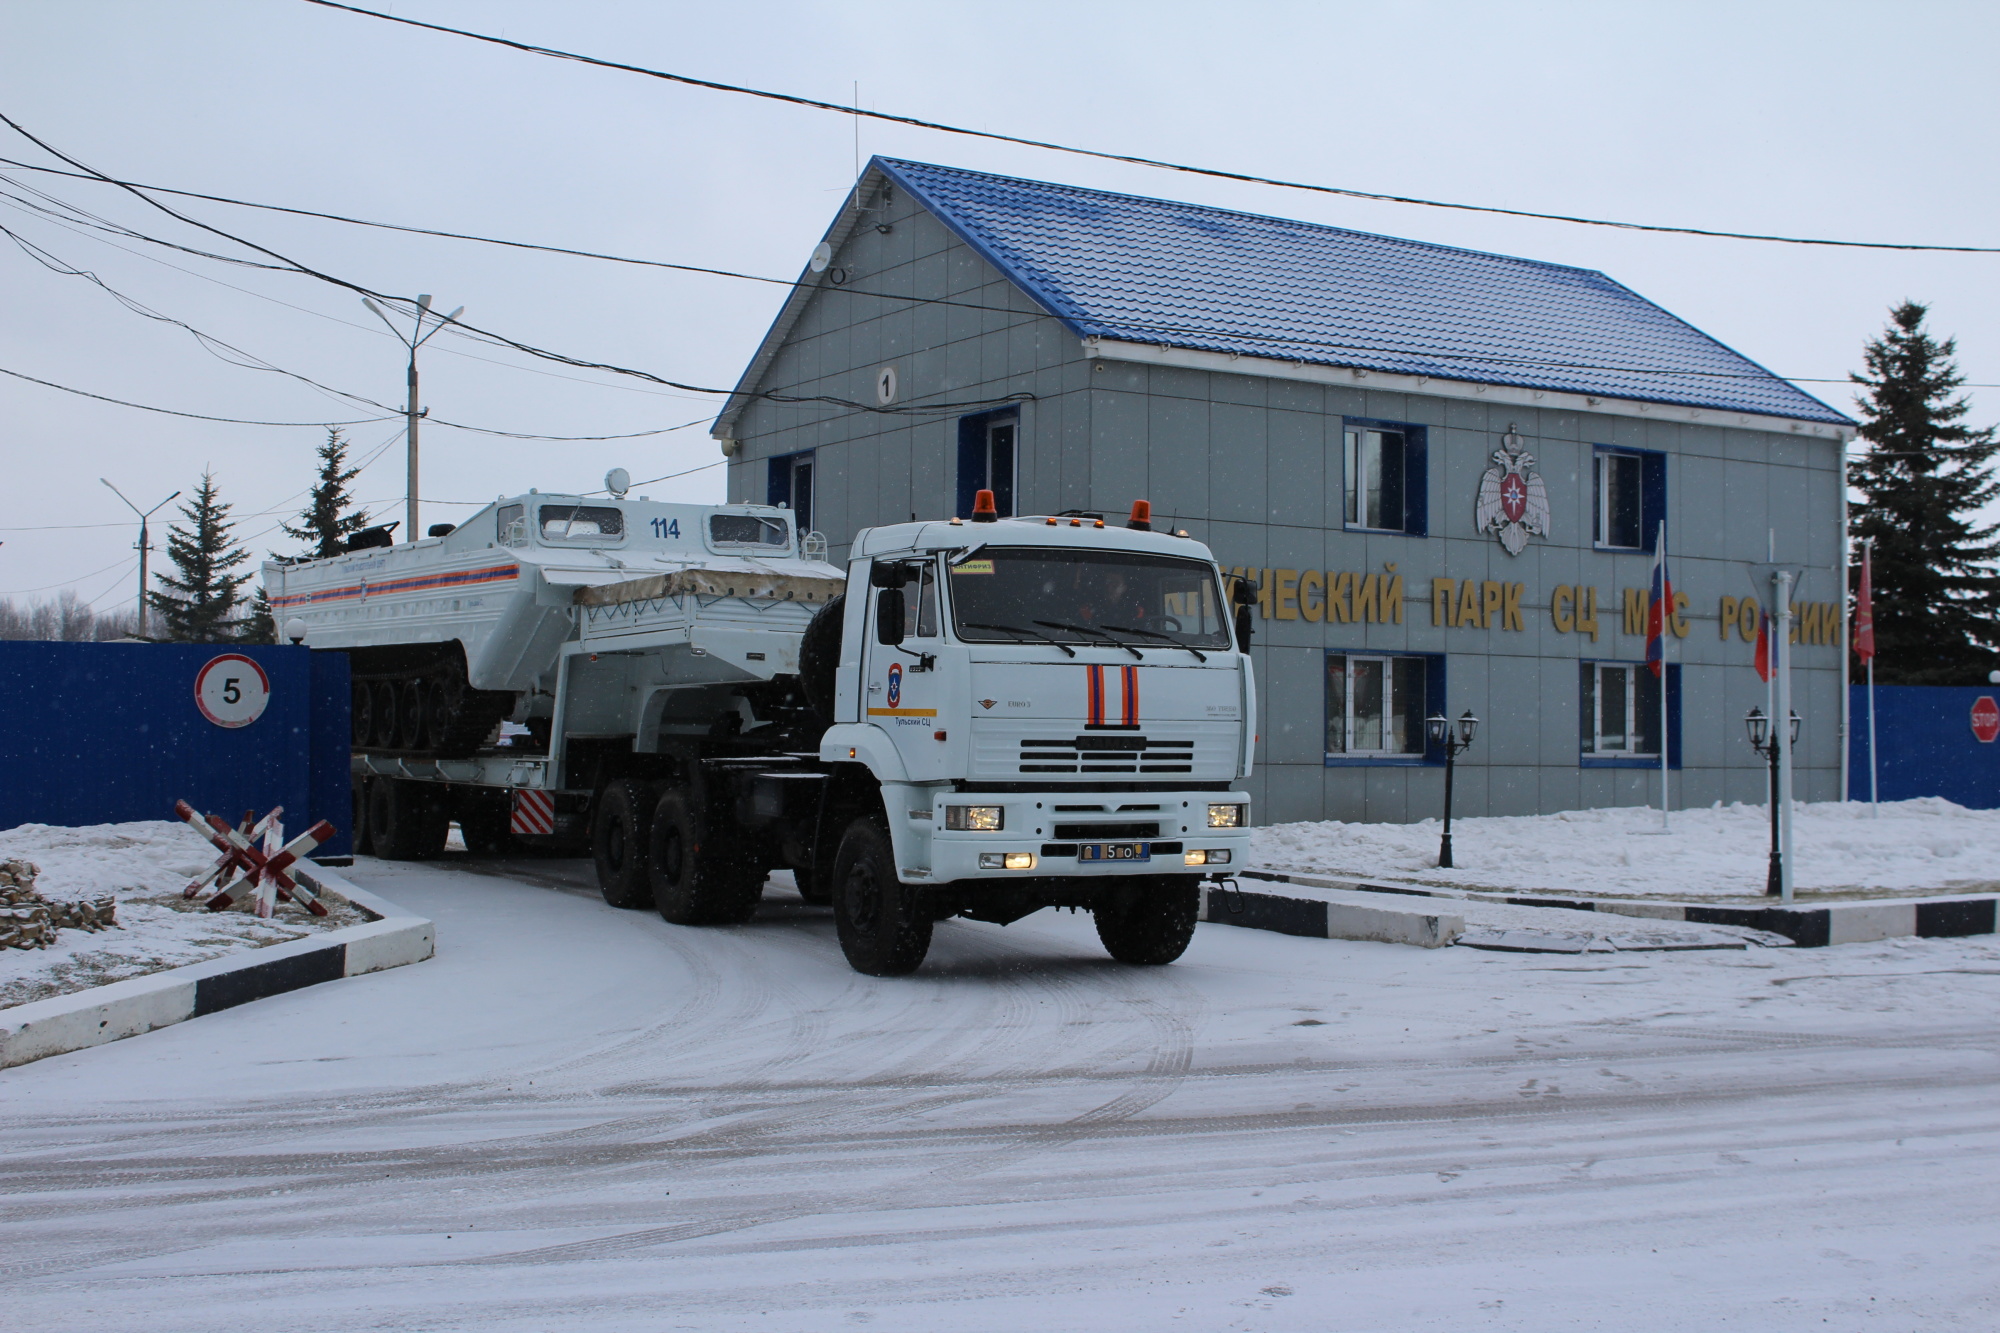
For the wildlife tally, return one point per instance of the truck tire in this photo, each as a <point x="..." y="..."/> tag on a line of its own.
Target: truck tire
<point x="364" y="843"/>
<point x="694" y="880"/>
<point x="406" y="821"/>
<point x="487" y="827"/>
<point x="618" y="843"/>
<point x="819" y="656"/>
<point x="883" y="923"/>
<point x="810" y="888"/>
<point x="1149" y="921"/>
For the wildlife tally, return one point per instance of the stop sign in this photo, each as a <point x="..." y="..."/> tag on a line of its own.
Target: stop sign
<point x="1985" y="718"/>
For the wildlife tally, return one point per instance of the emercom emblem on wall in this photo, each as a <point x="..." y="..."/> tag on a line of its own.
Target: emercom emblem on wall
<point x="1513" y="502"/>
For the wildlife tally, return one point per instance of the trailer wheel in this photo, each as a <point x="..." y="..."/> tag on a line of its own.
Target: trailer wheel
<point x="1149" y="921"/>
<point x="618" y="842"/>
<point x="695" y="880"/>
<point x="382" y="716"/>
<point x="362" y="720"/>
<point x="883" y="923"/>
<point x="405" y="821"/>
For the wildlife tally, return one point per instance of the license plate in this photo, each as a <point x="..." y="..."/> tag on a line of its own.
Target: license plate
<point x="1115" y="851"/>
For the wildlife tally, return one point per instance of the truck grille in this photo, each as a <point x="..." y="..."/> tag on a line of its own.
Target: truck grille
<point x="1107" y="754"/>
<point x="1107" y="830"/>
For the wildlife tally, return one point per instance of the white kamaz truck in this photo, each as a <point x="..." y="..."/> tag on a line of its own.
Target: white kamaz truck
<point x="979" y="718"/>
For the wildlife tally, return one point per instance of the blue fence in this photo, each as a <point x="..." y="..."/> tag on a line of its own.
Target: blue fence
<point x="99" y="733"/>
<point x="1927" y="744"/>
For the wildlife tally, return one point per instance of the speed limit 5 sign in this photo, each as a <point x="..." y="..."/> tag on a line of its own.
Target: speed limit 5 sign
<point x="232" y="690"/>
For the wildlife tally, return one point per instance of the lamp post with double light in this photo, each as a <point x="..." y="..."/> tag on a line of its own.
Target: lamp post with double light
<point x="1767" y="743"/>
<point x="1452" y="738"/>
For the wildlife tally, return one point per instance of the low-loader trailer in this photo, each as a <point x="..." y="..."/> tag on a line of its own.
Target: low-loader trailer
<point x="977" y="718"/>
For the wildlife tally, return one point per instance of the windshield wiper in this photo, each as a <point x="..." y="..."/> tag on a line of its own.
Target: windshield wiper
<point x="1155" y="634"/>
<point x="1098" y="633"/>
<point x="1018" y="629"/>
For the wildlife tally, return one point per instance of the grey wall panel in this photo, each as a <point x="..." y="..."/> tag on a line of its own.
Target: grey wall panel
<point x="1237" y="468"/>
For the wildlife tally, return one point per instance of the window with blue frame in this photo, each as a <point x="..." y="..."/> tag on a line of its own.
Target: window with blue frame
<point x="1386" y="476"/>
<point x="1619" y="721"/>
<point x="986" y="450"/>
<point x="1376" y="704"/>
<point x="1630" y="490"/>
<point x="791" y="485"/>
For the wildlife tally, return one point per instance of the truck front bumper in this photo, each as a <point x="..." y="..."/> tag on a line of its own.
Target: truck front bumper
<point x="1037" y="838"/>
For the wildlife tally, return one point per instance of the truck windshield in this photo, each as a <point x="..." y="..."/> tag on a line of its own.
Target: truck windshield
<point x="581" y="522"/>
<point x="1085" y="597"/>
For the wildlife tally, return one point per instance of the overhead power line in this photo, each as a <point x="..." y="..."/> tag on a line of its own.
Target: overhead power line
<point x="1134" y="160"/>
<point x="168" y="411"/>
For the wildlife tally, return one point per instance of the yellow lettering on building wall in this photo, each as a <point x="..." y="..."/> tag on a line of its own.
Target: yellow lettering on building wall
<point x="1339" y="598"/>
<point x="1726" y="620"/>
<point x="1586" y="612"/>
<point x="1441" y="600"/>
<point x="1286" y="596"/>
<point x="1492" y="596"/>
<point x="1636" y="600"/>
<point x="1364" y="598"/>
<point x="1562" y="608"/>
<point x="1677" y="622"/>
<point x="1748" y="613"/>
<point x="1312" y="595"/>
<point x="1468" y="605"/>
<point x="1264" y="593"/>
<point x="1510" y="612"/>
<point x="1391" y="600"/>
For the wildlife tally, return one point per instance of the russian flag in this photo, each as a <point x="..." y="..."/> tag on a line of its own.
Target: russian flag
<point x="1660" y="608"/>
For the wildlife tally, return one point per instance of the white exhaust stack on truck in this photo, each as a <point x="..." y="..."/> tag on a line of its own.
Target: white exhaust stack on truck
<point x="978" y="719"/>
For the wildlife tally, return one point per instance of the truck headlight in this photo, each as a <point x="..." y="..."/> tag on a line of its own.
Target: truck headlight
<point x="1225" y="816"/>
<point x="1215" y="857"/>
<point x="975" y="818"/>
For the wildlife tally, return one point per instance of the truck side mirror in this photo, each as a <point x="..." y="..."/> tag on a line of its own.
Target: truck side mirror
<point x="1244" y="592"/>
<point x="882" y="574"/>
<point x="890" y="615"/>
<point x="1243" y="628"/>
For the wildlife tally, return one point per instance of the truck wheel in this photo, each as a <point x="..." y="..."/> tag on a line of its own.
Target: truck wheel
<point x="364" y="843"/>
<point x="382" y="717"/>
<point x="362" y="718"/>
<point x="883" y="923"/>
<point x="487" y="828"/>
<point x="407" y="822"/>
<point x="1149" y="921"/>
<point x="618" y="842"/>
<point x="810" y="888"/>
<point x="695" y="881"/>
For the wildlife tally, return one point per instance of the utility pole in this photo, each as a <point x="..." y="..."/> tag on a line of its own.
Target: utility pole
<point x="417" y="338"/>
<point x="1781" y="729"/>
<point x="145" y="545"/>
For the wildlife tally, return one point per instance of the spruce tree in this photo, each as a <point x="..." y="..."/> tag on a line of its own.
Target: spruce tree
<point x="200" y="604"/>
<point x="1924" y="476"/>
<point x="329" y="517"/>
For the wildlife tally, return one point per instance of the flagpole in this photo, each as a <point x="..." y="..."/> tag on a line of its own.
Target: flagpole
<point x="1868" y="613"/>
<point x="1781" y="729"/>
<point x="1666" y="623"/>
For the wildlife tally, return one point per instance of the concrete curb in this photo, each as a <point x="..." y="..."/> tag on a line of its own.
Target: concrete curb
<point x="1807" y="927"/>
<point x="1328" y="921"/>
<point x="102" y="1014"/>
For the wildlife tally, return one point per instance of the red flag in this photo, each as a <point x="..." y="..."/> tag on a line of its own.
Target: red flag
<point x="1764" y="645"/>
<point x="1660" y="609"/>
<point x="1864" y="608"/>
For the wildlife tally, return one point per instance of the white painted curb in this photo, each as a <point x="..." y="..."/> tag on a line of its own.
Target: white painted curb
<point x="101" y="1014"/>
<point x="1320" y="920"/>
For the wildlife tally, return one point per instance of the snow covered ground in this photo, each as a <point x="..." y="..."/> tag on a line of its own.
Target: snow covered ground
<point x="1926" y="846"/>
<point x="578" y="1118"/>
<point x="146" y="865"/>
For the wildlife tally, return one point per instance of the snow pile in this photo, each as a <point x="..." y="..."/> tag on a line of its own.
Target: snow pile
<point x="1925" y="846"/>
<point x="145" y="865"/>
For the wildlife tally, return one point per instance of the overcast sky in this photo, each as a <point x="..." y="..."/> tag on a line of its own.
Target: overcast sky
<point x="1871" y="121"/>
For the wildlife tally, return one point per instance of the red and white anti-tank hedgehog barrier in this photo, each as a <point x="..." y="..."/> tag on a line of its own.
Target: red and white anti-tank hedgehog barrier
<point x="262" y="868"/>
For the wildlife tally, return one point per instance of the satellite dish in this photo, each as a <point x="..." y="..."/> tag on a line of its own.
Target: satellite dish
<point x="618" y="481"/>
<point x="822" y="256"/>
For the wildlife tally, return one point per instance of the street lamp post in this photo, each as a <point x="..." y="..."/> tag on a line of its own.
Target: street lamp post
<point x="416" y="339"/>
<point x="145" y="545"/>
<point x="1765" y="741"/>
<point x="1453" y="740"/>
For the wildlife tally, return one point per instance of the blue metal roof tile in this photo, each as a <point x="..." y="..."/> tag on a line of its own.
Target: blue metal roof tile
<point x="1123" y="267"/>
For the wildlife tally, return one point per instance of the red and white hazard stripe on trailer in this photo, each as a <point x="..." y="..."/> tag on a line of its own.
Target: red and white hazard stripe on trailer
<point x="534" y="812"/>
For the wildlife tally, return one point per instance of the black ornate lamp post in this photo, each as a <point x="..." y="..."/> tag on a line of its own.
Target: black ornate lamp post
<point x="1453" y="740"/>
<point x="1765" y="743"/>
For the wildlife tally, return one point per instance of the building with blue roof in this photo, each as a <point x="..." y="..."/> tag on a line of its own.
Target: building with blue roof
<point x="1447" y="471"/>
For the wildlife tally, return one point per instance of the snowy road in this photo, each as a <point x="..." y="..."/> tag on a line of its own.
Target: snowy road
<point x="581" y="1118"/>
